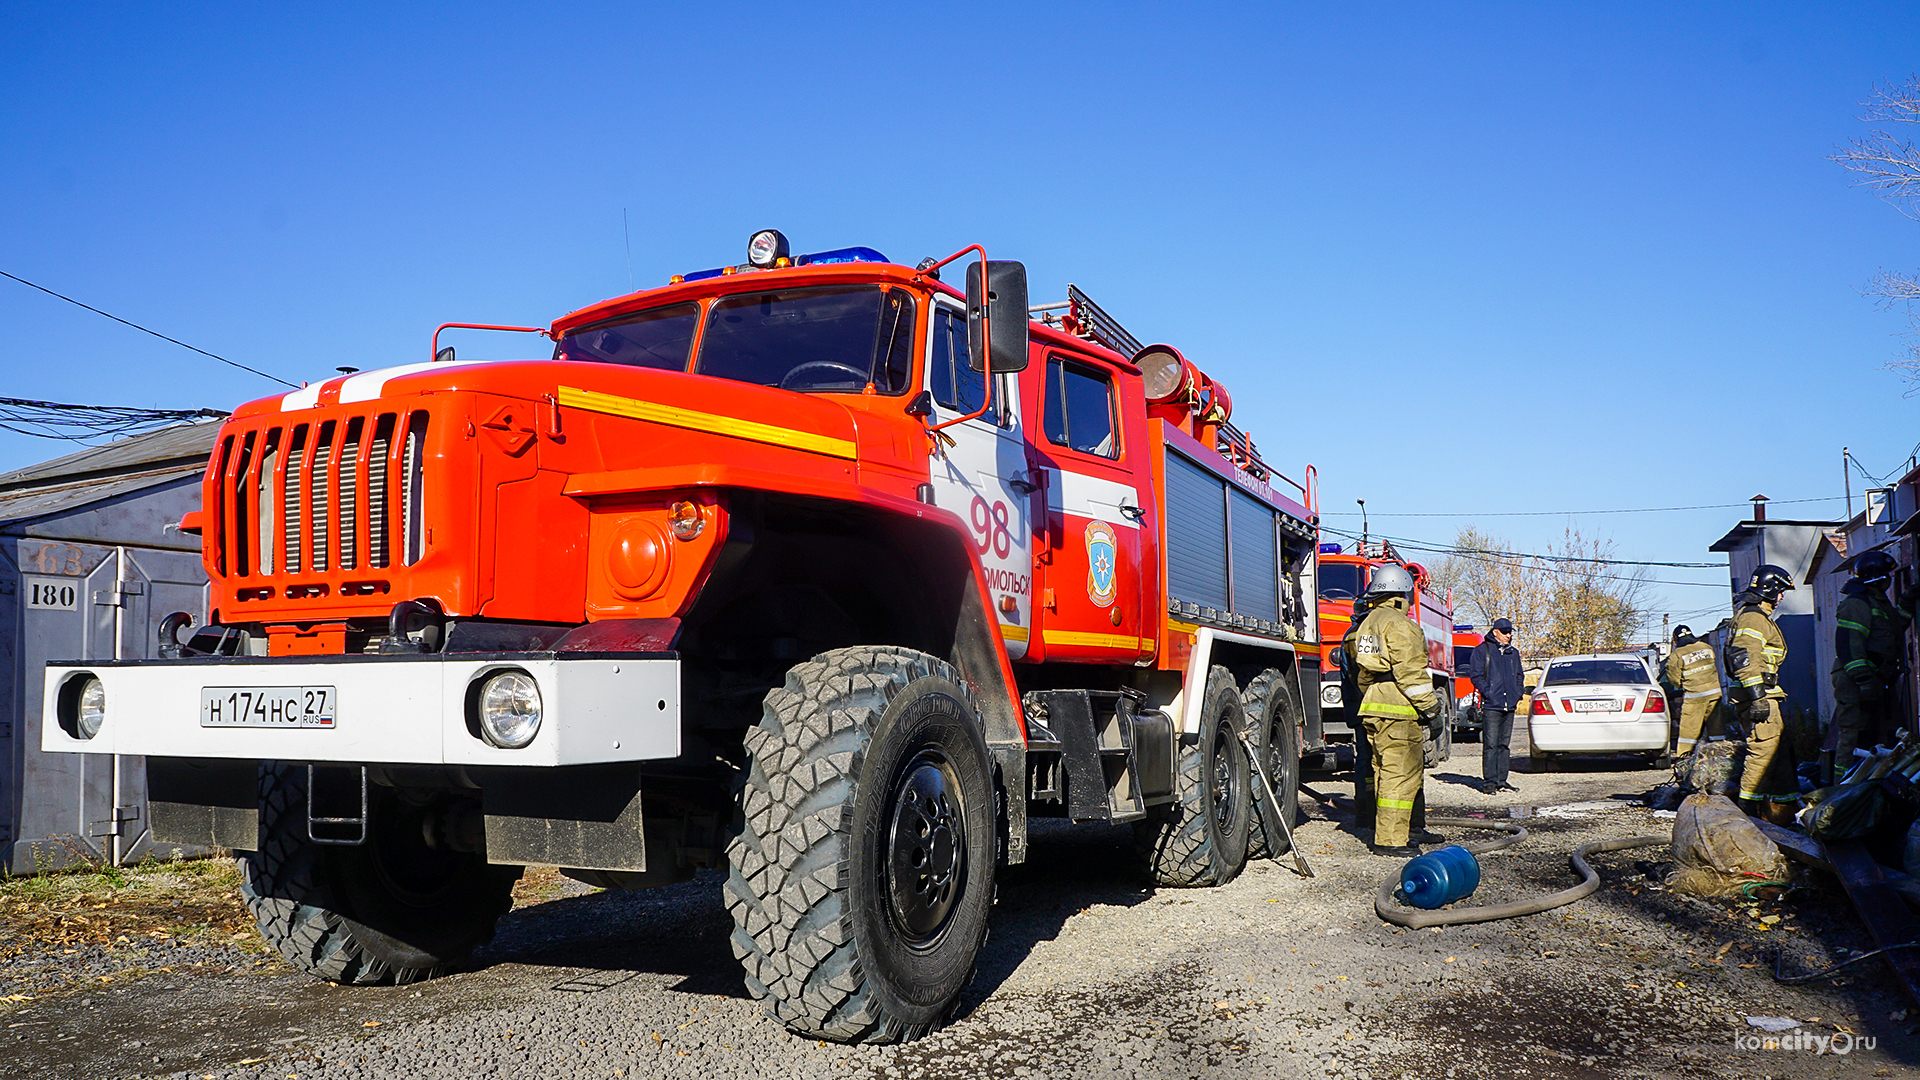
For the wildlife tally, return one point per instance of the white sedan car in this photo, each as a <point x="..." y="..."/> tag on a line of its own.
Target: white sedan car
<point x="1599" y="703"/>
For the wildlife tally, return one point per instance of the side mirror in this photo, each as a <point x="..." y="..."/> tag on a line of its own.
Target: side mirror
<point x="444" y="355"/>
<point x="1003" y="303"/>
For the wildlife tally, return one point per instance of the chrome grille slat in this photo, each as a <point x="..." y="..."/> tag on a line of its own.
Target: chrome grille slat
<point x="377" y="510"/>
<point x="349" y="498"/>
<point x="410" y="526"/>
<point x="290" y="520"/>
<point x="322" y="459"/>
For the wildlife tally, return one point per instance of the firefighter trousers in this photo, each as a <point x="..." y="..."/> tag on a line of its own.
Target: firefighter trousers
<point x="1768" y="775"/>
<point x="1856" y="722"/>
<point x="1365" y="799"/>
<point x="1398" y="776"/>
<point x="1693" y="718"/>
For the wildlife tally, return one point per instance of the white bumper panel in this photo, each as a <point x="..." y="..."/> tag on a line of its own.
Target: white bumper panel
<point x="1596" y="736"/>
<point x="390" y="710"/>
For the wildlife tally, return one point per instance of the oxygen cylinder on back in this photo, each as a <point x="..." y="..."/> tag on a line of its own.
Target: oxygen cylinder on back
<point x="1440" y="877"/>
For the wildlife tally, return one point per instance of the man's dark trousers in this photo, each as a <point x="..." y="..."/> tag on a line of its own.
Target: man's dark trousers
<point x="1496" y="739"/>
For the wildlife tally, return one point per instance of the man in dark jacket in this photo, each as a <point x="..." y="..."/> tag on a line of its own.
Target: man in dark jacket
<point x="1495" y="671"/>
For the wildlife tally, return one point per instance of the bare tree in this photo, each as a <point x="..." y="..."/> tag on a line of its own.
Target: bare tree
<point x="1568" y="599"/>
<point x="1886" y="162"/>
<point x="1489" y="583"/>
<point x="1592" y="605"/>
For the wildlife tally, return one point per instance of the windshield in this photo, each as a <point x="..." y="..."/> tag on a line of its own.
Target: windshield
<point x="837" y="338"/>
<point x="1596" y="672"/>
<point x="659" y="338"/>
<point x="1339" y="581"/>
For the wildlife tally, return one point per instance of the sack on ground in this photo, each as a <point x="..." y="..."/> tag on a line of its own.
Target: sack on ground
<point x="1713" y="768"/>
<point x="1718" y="849"/>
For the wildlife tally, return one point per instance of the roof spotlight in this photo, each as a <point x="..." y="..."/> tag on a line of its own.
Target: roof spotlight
<point x="766" y="246"/>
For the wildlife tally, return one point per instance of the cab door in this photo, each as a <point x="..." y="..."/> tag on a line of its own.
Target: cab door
<point x="1098" y="528"/>
<point x="979" y="470"/>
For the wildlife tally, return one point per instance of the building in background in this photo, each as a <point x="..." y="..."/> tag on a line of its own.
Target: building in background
<point x="1790" y="545"/>
<point x="91" y="559"/>
<point x="1888" y="522"/>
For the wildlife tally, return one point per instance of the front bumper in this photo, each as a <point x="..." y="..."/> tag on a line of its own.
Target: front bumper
<point x="389" y="709"/>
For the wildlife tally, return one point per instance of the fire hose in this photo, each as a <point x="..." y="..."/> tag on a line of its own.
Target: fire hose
<point x="1419" y="919"/>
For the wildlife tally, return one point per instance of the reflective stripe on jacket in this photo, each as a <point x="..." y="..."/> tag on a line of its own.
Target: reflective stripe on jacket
<point x="1754" y="631"/>
<point x="1389" y="641"/>
<point x="1868" y="634"/>
<point x="1691" y="668"/>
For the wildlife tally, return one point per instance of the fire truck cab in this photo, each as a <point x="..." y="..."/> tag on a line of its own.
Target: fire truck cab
<point x="817" y="569"/>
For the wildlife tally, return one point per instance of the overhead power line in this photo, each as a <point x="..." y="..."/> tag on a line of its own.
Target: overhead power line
<point x="1495" y="556"/>
<point x="1581" y="513"/>
<point x="155" y="333"/>
<point x="86" y="423"/>
<point x="1451" y="549"/>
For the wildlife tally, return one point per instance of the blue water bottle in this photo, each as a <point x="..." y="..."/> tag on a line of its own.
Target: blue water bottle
<point x="1440" y="877"/>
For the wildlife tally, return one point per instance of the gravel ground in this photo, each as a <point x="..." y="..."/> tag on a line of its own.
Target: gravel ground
<point x="1086" y="974"/>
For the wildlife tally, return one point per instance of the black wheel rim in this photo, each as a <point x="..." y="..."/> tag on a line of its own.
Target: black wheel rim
<point x="927" y="849"/>
<point x="1223" y="808"/>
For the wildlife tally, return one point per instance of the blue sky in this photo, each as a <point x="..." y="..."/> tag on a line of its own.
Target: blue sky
<point x="1465" y="259"/>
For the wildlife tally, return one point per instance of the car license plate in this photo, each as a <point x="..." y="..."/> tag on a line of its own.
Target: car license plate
<point x="1590" y="705"/>
<point x="267" y="706"/>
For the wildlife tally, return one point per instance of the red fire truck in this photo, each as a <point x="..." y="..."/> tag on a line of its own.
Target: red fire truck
<point x="815" y="569"/>
<point x="1466" y="700"/>
<point x="1343" y="578"/>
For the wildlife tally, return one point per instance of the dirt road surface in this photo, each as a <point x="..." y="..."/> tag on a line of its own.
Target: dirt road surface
<point x="1087" y="973"/>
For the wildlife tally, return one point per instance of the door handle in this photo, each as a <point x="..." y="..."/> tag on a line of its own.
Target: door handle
<point x="1021" y="484"/>
<point x="1133" y="512"/>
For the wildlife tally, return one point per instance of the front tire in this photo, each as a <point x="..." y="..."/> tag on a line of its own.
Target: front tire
<point x="862" y="872"/>
<point x="389" y="910"/>
<point x="1273" y="726"/>
<point x="1201" y="839"/>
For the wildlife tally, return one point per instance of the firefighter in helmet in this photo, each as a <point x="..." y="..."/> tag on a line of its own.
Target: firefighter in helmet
<point x="1868" y="635"/>
<point x="1388" y="655"/>
<point x="1696" y="680"/>
<point x="1755" y="651"/>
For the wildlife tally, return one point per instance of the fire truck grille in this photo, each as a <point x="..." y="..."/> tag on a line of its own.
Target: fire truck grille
<point x="320" y="496"/>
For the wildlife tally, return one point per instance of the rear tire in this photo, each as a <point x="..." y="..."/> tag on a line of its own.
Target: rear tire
<point x="390" y="910"/>
<point x="1201" y="839"/>
<point x="862" y="872"/>
<point x="1547" y="762"/>
<point x="1273" y="725"/>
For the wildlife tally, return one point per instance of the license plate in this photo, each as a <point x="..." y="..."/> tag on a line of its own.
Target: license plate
<point x="1596" y="706"/>
<point x="267" y="706"/>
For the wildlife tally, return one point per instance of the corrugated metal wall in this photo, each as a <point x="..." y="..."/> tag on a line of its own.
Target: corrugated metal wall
<point x="1196" y="534"/>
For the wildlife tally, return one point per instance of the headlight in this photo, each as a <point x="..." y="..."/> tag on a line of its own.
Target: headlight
<point x="84" y="705"/>
<point x="1330" y="694"/>
<point x="510" y="709"/>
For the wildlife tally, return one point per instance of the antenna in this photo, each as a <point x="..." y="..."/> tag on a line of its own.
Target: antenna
<point x="628" y="234"/>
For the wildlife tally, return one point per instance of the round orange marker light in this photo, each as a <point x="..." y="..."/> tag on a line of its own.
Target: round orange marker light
<point x="686" y="520"/>
<point x="639" y="559"/>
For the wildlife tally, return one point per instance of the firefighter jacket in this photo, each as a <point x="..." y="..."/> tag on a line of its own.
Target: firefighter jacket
<point x="1755" y="651"/>
<point x="1388" y="654"/>
<point x="1690" y="667"/>
<point x="1868" y="635"/>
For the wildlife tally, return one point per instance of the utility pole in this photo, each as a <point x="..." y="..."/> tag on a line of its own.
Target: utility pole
<point x="1846" y="477"/>
<point x="1363" y="528"/>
